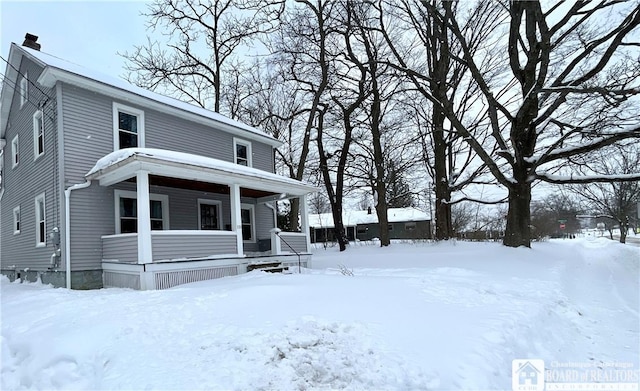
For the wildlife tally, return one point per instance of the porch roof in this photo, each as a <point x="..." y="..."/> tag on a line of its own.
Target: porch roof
<point x="123" y="164"/>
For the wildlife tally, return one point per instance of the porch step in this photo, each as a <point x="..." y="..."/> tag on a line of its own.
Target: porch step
<point x="271" y="267"/>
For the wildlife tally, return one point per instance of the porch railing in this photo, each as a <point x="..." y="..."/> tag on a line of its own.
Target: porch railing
<point x="171" y="245"/>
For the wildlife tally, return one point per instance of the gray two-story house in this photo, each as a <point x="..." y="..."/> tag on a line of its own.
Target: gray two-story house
<point x="82" y="151"/>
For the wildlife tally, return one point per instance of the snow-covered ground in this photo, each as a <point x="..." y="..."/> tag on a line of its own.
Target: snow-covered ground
<point x="412" y="316"/>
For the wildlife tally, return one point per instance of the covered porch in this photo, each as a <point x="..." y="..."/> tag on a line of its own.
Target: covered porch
<point x="149" y="253"/>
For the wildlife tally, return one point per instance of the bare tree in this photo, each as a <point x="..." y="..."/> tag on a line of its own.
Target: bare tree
<point x="202" y="39"/>
<point x="301" y="52"/>
<point x="435" y="75"/>
<point x="577" y="82"/>
<point x="615" y="200"/>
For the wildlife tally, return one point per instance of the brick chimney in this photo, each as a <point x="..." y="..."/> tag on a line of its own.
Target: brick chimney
<point x="30" y="41"/>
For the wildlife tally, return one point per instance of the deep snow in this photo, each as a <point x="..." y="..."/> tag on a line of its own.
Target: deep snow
<point x="413" y="316"/>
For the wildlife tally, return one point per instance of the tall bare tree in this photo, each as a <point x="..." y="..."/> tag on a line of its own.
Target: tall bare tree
<point x="577" y="77"/>
<point x="202" y="39"/>
<point x="424" y="55"/>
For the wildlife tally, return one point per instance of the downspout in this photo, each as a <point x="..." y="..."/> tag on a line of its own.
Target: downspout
<point x="67" y="227"/>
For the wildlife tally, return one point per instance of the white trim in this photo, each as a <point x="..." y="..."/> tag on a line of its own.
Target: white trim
<point x="132" y="194"/>
<point x="239" y="141"/>
<point x="17" y="220"/>
<point x="205" y="201"/>
<point x="236" y="217"/>
<point x="24" y="89"/>
<point x="252" y="210"/>
<point x="189" y="232"/>
<point x="117" y="108"/>
<point x="15" y="151"/>
<point x="38" y="119"/>
<point x="40" y="219"/>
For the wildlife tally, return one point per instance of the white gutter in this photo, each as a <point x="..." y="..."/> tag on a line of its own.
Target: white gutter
<point x="67" y="228"/>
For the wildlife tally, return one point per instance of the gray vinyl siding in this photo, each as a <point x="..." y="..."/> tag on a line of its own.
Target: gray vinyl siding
<point x="30" y="177"/>
<point x="88" y="136"/>
<point x="293" y="242"/>
<point x="123" y="249"/>
<point x="264" y="221"/>
<point x="165" y="247"/>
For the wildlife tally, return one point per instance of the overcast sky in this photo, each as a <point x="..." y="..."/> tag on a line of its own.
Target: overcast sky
<point x="88" y="33"/>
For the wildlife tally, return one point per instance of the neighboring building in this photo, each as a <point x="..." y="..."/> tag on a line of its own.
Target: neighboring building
<point x="81" y="151"/>
<point x="404" y="223"/>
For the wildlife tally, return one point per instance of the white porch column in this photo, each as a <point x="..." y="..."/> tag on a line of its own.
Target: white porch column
<point x="144" y="218"/>
<point x="304" y="220"/>
<point x="236" y="216"/>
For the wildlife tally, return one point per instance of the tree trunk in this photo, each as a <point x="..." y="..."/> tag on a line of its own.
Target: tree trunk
<point x="443" y="193"/>
<point x="381" y="211"/>
<point x="518" y="231"/>
<point x="624" y="228"/>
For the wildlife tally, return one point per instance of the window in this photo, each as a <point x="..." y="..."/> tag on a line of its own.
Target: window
<point x="248" y="226"/>
<point x="15" y="152"/>
<point x="410" y="226"/>
<point x="41" y="224"/>
<point x="209" y="214"/>
<point x="16" y="220"/>
<point x="128" y="127"/>
<point x="242" y="150"/>
<point x="362" y="229"/>
<point x="390" y="227"/>
<point x="24" y="90"/>
<point x="38" y="135"/>
<point x="127" y="211"/>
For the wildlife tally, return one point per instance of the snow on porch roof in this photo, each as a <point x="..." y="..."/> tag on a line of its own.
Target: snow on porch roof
<point x="122" y="164"/>
<point x="351" y="218"/>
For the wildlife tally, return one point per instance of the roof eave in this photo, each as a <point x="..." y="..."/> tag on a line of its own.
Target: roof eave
<point x="51" y="75"/>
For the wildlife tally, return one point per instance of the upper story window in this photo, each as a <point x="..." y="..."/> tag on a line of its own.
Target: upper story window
<point x="128" y="127"/>
<point x="242" y="151"/>
<point x="15" y="152"/>
<point x="127" y="211"/>
<point x="16" y="220"/>
<point x="24" y="90"/>
<point x="41" y="223"/>
<point x="38" y="135"/>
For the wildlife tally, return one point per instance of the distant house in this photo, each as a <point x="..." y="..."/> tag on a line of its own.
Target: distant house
<point x="81" y="152"/>
<point x="404" y="223"/>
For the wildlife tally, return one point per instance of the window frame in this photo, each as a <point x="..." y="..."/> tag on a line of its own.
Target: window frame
<point x="17" y="220"/>
<point x="252" y="215"/>
<point x="218" y="204"/>
<point x="139" y="114"/>
<point x="41" y="220"/>
<point x="38" y="131"/>
<point x="163" y="198"/>
<point x="24" y="89"/>
<point x="247" y="144"/>
<point x="410" y="226"/>
<point x="15" y="151"/>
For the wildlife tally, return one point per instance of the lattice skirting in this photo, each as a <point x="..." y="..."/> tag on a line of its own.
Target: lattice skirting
<point x="170" y="279"/>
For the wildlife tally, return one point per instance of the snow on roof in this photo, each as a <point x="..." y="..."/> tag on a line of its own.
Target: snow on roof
<point x="352" y="218"/>
<point x="66" y="66"/>
<point x="194" y="160"/>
